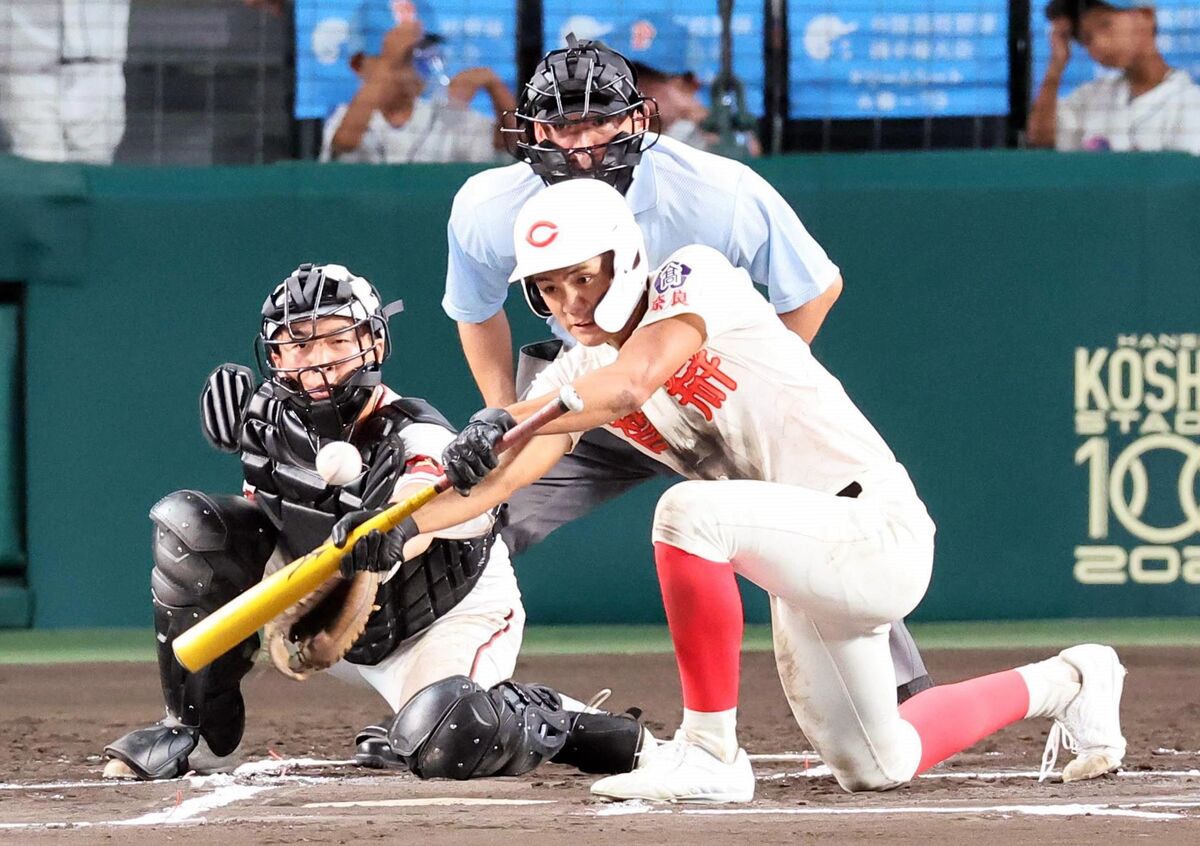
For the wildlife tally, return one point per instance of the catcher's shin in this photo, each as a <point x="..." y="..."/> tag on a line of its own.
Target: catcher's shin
<point x="244" y="615"/>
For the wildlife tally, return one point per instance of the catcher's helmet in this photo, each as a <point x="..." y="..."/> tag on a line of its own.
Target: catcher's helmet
<point x="585" y="81"/>
<point x="290" y="316"/>
<point x="570" y="223"/>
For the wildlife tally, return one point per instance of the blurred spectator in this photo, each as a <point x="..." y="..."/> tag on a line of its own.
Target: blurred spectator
<point x="407" y="110"/>
<point x="62" y="78"/>
<point x="659" y="49"/>
<point x="1148" y="106"/>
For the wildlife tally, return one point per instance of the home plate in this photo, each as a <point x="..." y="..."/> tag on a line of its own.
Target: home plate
<point x="432" y="800"/>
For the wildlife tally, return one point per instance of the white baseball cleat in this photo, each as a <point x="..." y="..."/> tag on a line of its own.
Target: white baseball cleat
<point x="681" y="771"/>
<point x="1090" y="724"/>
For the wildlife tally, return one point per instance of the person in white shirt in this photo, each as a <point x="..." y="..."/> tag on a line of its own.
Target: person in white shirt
<point x="406" y="111"/>
<point x="1148" y="106"/>
<point x="62" y="79"/>
<point x="788" y="485"/>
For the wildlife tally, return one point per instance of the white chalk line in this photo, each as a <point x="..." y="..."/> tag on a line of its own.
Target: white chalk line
<point x="426" y="802"/>
<point x="272" y="773"/>
<point x="1074" y="809"/>
<point x="277" y="767"/>
<point x="189" y="808"/>
<point x="822" y="771"/>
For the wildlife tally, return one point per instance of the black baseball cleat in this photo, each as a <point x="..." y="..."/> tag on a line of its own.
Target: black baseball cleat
<point x="372" y="749"/>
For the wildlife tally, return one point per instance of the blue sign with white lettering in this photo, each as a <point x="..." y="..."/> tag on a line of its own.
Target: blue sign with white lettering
<point x="330" y="32"/>
<point x="899" y="58"/>
<point x="670" y="36"/>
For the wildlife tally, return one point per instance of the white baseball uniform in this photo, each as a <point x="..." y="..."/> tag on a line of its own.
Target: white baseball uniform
<point x="1103" y="115"/>
<point x="769" y="438"/>
<point x="479" y="637"/>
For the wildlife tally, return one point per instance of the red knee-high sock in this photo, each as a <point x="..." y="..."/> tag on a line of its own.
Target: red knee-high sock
<point x="951" y="717"/>
<point x="704" y="611"/>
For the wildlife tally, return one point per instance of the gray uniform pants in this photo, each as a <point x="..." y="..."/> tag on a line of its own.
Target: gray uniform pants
<point x="602" y="467"/>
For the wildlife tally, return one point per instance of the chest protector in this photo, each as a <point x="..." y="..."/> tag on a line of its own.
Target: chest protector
<point x="279" y="460"/>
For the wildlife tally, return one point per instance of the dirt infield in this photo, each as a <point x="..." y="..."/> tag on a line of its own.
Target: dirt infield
<point x="55" y="719"/>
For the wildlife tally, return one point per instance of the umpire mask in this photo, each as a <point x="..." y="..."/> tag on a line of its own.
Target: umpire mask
<point x="585" y="85"/>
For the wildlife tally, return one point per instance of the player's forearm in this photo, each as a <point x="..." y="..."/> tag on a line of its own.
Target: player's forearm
<point x="806" y="320"/>
<point x="1043" y="115"/>
<point x="469" y="528"/>
<point x="518" y="468"/>
<point x="607" y="395"/>
<point x="488" y="348"/>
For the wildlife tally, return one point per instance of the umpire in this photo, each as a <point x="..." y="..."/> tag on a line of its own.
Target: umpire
<point x="582" y="115"/>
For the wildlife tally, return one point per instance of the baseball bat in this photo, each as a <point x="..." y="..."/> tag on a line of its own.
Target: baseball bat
<point x="246" y="613"/>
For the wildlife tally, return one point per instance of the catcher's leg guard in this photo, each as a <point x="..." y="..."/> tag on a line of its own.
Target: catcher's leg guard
<point x="372" y="748"/>
<point x="455" y="729"/>
<point x="207" y="550"/>
<point x="602" y="743"/>
<point x="159" y="751"/>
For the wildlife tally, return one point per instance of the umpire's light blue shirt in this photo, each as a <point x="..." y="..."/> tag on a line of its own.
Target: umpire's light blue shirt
<point x="680" y="196"/>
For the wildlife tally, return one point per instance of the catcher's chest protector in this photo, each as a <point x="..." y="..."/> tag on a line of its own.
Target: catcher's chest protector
<point x="279" y="460"/>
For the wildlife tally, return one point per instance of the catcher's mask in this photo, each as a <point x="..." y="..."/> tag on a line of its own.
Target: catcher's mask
<point x="292" y="318"/>
<point x="585" y="82"/>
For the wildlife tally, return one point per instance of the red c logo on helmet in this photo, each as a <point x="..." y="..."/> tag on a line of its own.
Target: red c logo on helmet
<point x="542" y="233"/>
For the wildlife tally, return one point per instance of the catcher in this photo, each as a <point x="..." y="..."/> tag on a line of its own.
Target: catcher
<point x="432" y="622"/>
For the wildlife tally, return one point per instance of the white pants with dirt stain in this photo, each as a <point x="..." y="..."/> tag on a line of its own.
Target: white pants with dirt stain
<point x="480" y="637"/>
<point x="838" y="571"/>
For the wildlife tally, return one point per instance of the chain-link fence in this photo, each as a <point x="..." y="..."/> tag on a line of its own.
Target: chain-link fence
<point x="242" y="81"/>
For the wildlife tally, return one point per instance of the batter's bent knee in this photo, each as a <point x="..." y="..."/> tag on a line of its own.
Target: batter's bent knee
<point x="207" y="549"/>
<point x="884" y="762"/>
<point x="685" y="518"/>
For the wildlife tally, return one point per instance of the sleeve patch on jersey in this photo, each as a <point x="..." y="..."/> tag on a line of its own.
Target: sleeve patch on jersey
<point x="699" y="383"/>
<point x="671" y="275"/>
<point x="638" y="428"/>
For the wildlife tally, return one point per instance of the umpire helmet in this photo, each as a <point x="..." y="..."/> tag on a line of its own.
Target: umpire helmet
<point x="583" y="82"/>
<point x="290" y="316"/>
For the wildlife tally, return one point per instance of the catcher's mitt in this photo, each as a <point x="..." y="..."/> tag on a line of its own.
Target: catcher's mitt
<point x="318" y="630"/>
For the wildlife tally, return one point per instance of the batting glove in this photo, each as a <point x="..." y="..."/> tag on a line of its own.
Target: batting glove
<point x="472" y="455"/>
<point x="377" y="551"/>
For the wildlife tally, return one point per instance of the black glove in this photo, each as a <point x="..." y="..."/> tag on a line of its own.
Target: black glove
<point x="223" y="402"/>
<point x="472" y="455"/>
<point x="378" y="551"/>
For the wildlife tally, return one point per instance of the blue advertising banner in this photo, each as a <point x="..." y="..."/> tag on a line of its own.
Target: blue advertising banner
<point x="899" y="58"/>
<point x="672" y="36"/>
<point x="1178" y="40"/>
<point x="330" y="32"/>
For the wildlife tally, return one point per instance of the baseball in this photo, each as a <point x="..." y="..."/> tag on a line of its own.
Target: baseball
<point x="339" y="463"/>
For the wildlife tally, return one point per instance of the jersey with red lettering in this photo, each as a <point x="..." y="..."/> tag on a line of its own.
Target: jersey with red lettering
<point x="752" y="403"/>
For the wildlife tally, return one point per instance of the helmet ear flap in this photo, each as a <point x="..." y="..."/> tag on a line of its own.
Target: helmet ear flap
<point x="537" y="303"/>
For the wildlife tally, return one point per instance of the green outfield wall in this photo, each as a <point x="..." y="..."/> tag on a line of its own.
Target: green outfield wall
<point x="1022" y="328"/>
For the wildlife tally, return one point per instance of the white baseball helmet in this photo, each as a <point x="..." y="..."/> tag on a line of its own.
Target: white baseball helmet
<point x="573" y="221"/>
